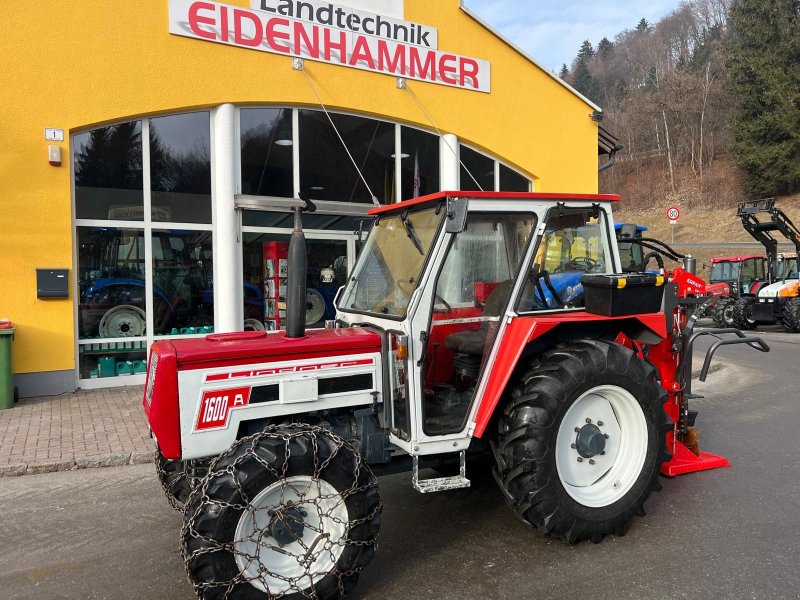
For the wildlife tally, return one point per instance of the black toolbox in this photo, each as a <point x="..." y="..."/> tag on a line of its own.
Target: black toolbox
<point x="623" y="294"/>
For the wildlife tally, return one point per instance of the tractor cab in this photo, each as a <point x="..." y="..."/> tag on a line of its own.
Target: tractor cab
<point x="738" y="274"/>
<point x="443" y="276"/>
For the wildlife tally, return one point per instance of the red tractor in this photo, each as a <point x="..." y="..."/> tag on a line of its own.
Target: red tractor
<point x="731" y="278"/>
<point x="458" y="335"/>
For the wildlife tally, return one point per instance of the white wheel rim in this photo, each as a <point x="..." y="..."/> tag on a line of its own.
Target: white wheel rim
<point x="123" y="321"/>
<point x="602" y="479"/>
<point x="315" y="306"/>
<point x="253" y="325"/>
<point x="258" y="555"/>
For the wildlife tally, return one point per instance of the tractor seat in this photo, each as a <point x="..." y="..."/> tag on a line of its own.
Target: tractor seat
<point x="473" y="342"/>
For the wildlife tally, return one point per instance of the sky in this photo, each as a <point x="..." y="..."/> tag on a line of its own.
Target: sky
<point x="551" y="31"/>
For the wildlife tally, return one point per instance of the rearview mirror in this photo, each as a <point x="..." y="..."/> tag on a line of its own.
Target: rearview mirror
<point x="456" y="218"/>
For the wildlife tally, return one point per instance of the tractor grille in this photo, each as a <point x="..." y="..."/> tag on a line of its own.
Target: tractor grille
<point x="265" y="393"/>
<point x="342" y="385"/>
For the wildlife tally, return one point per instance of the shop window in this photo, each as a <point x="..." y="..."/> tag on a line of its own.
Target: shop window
<point x="108" y="173"/>
<point x="183" y="294"/>
<point x="328" y="173"/>
<point x="180" y="168"/>
<point x="266" y="273"/>
<point x="420" y="160"/>
<point x="511" y="181"/>
<point x="266" y="142"/>
<point x="477" y="170"/>
<point x="111" y="265"/>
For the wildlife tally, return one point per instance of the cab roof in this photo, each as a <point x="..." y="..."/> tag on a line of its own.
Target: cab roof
<point x="539" y="196"/>
<point x="735" y="258"/>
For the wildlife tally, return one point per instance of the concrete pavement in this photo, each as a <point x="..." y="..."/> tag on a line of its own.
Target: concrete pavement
<point x="89" y="428"/>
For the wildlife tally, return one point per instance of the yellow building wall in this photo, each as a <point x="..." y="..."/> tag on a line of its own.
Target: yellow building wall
<point x="81" y="63"/>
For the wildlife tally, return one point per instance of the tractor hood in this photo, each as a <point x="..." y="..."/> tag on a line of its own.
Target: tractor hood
<point x="774" y="290"/>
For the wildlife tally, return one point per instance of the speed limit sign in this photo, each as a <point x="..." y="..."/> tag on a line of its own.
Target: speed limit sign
<point x="673" y="213"/>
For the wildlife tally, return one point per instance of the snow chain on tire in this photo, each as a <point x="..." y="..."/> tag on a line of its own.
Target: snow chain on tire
<point x="178" y="478"/>
<point x="267" y="463"/>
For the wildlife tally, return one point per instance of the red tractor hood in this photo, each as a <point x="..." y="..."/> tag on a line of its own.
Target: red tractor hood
<point x="225" y="349"/>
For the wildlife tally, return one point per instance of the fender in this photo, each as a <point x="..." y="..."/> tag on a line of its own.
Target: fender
<point x="718" y="289"/>
<point x="104" y="283"/>
<point x="524" y="330"/>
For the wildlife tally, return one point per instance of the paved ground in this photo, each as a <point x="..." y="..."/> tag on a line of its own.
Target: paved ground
<point x="85" y="429"/>
<point x="726" y="534"/>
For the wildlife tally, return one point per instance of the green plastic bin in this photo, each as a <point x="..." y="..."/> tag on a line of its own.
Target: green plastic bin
<point x="6" y="371"/>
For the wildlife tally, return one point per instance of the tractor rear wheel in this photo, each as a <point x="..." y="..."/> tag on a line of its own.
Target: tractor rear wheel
<point x="742" y="313"/>
<point x="582" y="440"/>
<point x="290" y="512"/>
<point x="723" y="312"/>
<point x="791" y="315"/>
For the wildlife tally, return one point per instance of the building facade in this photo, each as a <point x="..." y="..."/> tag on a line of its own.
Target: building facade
<point x="150" y="153"/>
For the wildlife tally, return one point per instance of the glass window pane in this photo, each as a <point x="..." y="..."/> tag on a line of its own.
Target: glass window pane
<point x="183" y="296"/>
<point x="420" y="154"/>
<point x="326" y="171"/>
<point x="180" y="168"/>
<point x="472" y="291"/>
<point x="111" y="264"/>
<point x="511" y="181"/>
<point x="477" y="171"/>
<point x="108" y="173"/>
<point x="266" y="273"/>
<point x="574" y="243"/>
<point x="267" y="158"/>
<point x="349" y="224"/>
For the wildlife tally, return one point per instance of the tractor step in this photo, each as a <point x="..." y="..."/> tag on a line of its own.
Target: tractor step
<point x="440" y="484"/>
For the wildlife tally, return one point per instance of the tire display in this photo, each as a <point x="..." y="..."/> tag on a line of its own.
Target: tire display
<point x="581" y="441"/>
<point x="791" y="315"/>
<point x="290" y="512"/>
<point x="742" y="313"/>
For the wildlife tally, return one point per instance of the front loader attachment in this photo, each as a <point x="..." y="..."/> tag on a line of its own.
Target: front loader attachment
<point x="683" y="441"/>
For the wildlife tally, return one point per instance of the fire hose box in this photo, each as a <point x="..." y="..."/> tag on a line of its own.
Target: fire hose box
<point x="6" y="371"/>
<point x="623" y="294"/>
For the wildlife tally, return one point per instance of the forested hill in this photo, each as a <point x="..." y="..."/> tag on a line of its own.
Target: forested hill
<point x="706" y="102"/>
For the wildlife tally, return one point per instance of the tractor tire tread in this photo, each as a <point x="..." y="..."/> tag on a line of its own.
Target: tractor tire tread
<point x="528" y="426"/>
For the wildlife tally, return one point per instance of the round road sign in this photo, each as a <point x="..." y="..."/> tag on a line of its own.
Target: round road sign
<point x="673" y="213"/>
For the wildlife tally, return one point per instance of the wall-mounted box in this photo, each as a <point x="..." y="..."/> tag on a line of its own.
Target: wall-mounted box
<point x="52" y="283"/>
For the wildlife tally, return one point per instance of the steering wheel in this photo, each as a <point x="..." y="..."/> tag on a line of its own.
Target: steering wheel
<point x="580" y="263"/>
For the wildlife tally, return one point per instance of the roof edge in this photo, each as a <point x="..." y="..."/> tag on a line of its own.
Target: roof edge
<point x="526" y="56"/>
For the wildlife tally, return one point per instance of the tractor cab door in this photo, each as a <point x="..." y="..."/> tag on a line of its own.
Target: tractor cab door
<point x="471" y="290"/>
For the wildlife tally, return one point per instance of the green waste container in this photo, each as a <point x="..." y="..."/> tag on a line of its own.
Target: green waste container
<point x="6" y="372"/>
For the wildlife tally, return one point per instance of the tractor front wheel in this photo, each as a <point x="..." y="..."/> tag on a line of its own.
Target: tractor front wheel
<point x="582" y="440"/>
<point x="742" y="313"/>
<point x="791" y="315"/>
<point x="723" y="312"/>
<point x="179" y="478"/>
<point x="290" y="512"/>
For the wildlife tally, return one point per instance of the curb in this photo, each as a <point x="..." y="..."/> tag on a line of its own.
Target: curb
<point x="89" y="462"/>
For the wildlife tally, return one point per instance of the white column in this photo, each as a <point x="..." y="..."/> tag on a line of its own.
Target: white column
<point x="228" y="288"/>
<point x="449" y="163"/>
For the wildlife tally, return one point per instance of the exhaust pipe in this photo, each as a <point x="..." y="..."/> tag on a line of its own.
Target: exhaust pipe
<point x="297" y="264"/>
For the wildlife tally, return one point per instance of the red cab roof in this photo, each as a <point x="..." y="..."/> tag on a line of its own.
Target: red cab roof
<point x="735" y="258"/>
<point x="433" y="198"/>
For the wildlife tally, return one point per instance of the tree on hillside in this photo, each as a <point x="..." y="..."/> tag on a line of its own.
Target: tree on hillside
<point x="564" y="72"/>
<point x="604" y="47"/>
<point x="643" y="25"/>
<point x="586" y="52"/>
<point x="764" y="72"/>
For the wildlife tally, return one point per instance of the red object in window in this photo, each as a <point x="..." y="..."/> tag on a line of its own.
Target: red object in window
<point x="483" y="290"/>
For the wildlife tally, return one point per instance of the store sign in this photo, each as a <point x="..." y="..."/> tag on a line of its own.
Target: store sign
<point x="332" y="34"/>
